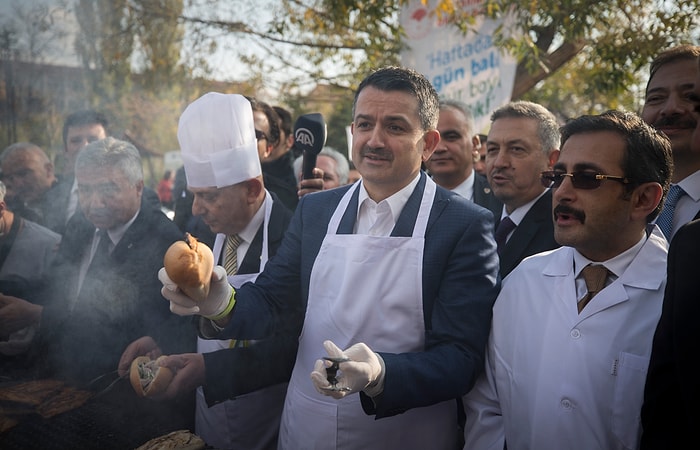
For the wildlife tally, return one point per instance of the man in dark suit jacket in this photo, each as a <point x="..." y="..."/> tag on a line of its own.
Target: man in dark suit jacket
<point x="96" y="305"/>
<point x="374" y="286"/>
<point x="234" y="203"/>
<point x="669" y="414"/>
<point x="452" y="162"/>
<point x="522" y="143"/>
<point x="104" y="290"/>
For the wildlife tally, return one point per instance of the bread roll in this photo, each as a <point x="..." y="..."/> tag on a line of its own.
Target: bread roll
<point x="189" y="263"/>
<point x="147" y="377"/>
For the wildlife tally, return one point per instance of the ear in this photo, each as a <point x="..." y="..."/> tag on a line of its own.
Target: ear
<point x="139" y="187"/>
<point x="645" y="199"/>
<point x="431" y="138"/>
<point x="268" y="149"/>
<point x="553" y="158"/>
<point x="255" y="187"/>
<point x="476" y="142"/>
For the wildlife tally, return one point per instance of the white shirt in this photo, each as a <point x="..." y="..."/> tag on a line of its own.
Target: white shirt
<point x="115" y="235"/>
<point x="248" y="233"/>
<point x="72" y="200"/>
<point x="379" y="219"/>
<point x="688" y="205"/>
<point x="615" y="265"/>
<point x="466" y="187"/>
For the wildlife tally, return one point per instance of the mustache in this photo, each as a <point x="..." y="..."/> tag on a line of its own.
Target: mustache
<point x="680" y="122"/>
<point x="569" y="211"/>
<point x="376" y="152"/>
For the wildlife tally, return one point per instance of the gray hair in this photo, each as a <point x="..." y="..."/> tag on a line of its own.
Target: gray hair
<point x="3" y="191"/>
<point x="342" y="167"/>
<point x="22" y="147"/>
<point x="547" y="126"/>
<point x="111" y="152"/>
<point x="461" y="107"/>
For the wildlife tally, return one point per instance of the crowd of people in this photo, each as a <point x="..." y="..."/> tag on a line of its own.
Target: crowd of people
<point x="441" y="289"/>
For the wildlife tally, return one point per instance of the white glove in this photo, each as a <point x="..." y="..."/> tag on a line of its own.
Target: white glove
<point x="363" y="371"/>
<point x="220" y="294"/>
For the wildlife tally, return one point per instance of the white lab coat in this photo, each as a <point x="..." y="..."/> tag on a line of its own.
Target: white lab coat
<point x="559" y="380"/>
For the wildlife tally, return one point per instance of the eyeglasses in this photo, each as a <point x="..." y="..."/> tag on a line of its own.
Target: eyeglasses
<point x="580" y="180"/>
<point x="259" y="135"/>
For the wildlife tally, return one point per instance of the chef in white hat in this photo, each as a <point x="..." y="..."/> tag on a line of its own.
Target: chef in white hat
<point x="219" y="149"/>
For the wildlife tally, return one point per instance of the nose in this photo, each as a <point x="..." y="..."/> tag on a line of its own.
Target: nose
<point x="564" y="192"/>
<point x="498" y="158"/>
<point x="676" y="105"/>
<point x="376" y="138"/>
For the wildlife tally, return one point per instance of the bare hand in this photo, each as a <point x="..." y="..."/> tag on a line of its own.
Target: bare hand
<point x="143" y="346"/>
<point x="189" y="373"/>
<point x="309" y="185"/>
<point x="17" y="314"/>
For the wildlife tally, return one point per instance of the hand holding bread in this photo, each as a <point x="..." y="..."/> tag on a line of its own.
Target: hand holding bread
<point x="189" y="264"/>
<point x="148" y="377"/>
<point x="217" y="302"/>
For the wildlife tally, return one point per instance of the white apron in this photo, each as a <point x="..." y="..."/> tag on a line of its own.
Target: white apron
<point x="251" y="421"/>
<point x="363" y="289"/>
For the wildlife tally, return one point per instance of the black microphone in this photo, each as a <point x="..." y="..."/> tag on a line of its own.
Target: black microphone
<point x="309" y="137"/>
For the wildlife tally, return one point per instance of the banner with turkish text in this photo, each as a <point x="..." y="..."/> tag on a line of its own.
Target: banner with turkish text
<point x="467" y="67"/>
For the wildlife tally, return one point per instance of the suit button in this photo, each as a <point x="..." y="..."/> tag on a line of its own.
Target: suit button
<point x="575" y="333"/>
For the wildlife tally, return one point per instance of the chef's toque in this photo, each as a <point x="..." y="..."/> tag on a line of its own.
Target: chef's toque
<point x="217" y="141"/>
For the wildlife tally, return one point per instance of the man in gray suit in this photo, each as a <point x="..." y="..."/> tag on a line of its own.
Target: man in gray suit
<point x="452" y="163"/>
<point x="522" y="143"/>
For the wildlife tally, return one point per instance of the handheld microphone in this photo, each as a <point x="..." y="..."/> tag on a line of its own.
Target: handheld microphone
<point x="309" y="137"/>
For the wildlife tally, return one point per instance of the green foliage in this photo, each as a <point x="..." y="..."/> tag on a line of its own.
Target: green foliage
<point x="590" y="52"/>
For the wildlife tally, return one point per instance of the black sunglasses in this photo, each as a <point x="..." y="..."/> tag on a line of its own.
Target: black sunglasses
<point x="259" y="135"/>
<point x="580" y="180"/>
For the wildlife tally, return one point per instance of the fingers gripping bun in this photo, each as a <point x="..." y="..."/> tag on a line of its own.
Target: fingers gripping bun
<point x="189" y="264"/>
<point x="147" y="377"/>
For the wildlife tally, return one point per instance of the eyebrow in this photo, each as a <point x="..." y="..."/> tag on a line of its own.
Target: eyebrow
<point x="579" y="167"/>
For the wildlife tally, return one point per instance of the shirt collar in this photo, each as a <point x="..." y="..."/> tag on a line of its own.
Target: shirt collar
<point x="117" y="233"/>
<point x="617" y="264"/>
<point x="519" y="213"/>
<point x="466" y="187"/>
<point x="249" y="232"/>
<point x="691" y="185"/>
<point x="396" y="201"/>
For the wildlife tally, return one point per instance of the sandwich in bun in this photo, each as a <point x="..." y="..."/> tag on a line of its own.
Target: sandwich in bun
<point x="148" y="377"/>
<point x="189" y="264"/>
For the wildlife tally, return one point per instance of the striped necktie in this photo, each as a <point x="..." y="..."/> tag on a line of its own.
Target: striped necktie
<point x="230" y="255"/>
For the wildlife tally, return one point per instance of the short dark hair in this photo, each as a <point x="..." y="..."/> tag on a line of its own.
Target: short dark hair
<point x="285" y="120"/>
<point x="647" y="156"/>
<point x="671" y="55"/>
<point x="84" y="117"/>
<point x="272" y="118"/>
<point x="402" y="79"/>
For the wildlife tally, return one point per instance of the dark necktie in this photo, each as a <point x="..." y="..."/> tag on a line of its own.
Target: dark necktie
<point x="101" y="256"/>
<point x="665" y="220"/>
<point x="504" y="228"/>
<point x="595" y="277"/>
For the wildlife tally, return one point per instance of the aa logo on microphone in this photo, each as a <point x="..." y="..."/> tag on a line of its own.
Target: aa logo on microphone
<point x="304" y="137"/>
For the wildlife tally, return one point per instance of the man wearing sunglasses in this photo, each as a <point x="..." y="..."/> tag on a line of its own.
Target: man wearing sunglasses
<point x="522" y="142"/>
<point x="566" y="360"/>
